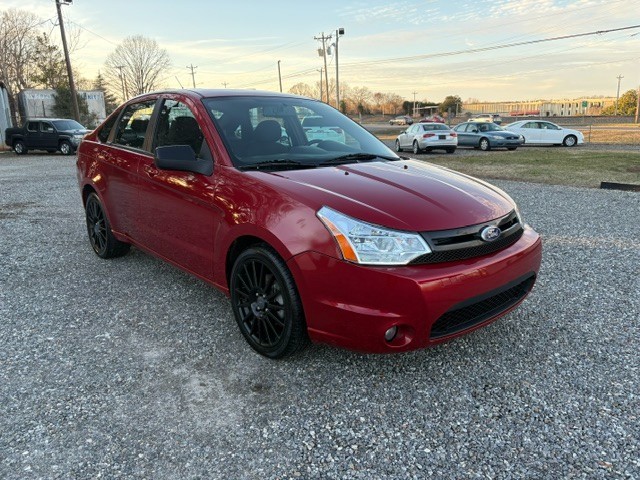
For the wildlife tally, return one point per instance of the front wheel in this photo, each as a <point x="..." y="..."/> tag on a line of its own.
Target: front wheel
<point x="19" y="147"/>
<point x="398" y="147"/>
<point x="66" y="148"/>
<point x="485" y="145"/>
<point x="416" y="147"/>
<point x="570" y="141"/>
<point x="511" y="148"/>
<point x="266" y="304"/>
<point x="100" y="236"/>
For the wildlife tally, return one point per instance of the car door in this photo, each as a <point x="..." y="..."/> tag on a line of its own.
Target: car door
<point x="468" y="134"/>
<point x="531" y="132"/>
<point x="176" y="209"/>
<point x="33" y="135"/>
<point x="49" y="136"/>
<point x="406" y="137"/>
<point x="550" y="133"/>
<point x="120" y="159"/>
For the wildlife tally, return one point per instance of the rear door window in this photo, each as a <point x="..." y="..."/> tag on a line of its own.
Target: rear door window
<point x="133" y="124"/>
<point x="178" y="126"/>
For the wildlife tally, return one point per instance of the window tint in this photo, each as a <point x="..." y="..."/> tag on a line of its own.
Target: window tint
<point x="46" y="127"/>
<point x="133" y="124"/>
<point x="178" y="126"/>
<point x="434" y="126"/>
<point x="68" y="125"/>
<point x="33" y="126"/>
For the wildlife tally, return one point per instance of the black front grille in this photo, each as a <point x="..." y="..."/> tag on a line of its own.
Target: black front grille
<point x="480" y="309"/>
<point x="471" y="252"/>
<point x="466" y="242"/>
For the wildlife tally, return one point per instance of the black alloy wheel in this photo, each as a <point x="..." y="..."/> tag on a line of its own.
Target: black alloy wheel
<point x="266" y="303"/>
<point x="102" y="240"/>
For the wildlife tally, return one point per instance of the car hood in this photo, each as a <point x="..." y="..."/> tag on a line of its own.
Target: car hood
<point x="75" y="132"/>
<point x="405" y="195"/>
<point x="501" y="133"/>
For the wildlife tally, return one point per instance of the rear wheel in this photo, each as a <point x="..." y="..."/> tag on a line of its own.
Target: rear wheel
<point x="511" y="148"/>
<point x="100" y="236"/>
<point x="451" y="150"/>
<point x="484" y="144"/>
<point x="416" y="147"/>
<point x="266" y="303"/>
<point x="19" y="147"/>
<point x="570" y="141"/>
<point x="398" y="147"/>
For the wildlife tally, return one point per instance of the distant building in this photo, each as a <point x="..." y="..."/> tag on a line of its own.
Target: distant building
<point x="543" y="108"/>
<point x="40" y="103"/>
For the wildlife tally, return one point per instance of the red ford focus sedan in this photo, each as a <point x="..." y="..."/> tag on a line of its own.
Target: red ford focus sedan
<point x="333" y="240"/>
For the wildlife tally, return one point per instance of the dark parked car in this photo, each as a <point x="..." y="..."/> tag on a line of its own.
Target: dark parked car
<point x="343" y="243"/>
<point x="49" y="134"/>
<point x="486" y="136"/>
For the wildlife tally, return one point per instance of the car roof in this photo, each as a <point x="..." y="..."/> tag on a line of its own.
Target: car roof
<point x="39" y="119"/>
<point x="221" y="92"/>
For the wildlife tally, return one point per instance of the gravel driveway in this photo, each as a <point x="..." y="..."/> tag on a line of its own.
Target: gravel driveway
<point x="131" y="369"/>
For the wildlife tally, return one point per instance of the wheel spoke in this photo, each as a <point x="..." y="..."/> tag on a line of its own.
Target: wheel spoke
<point x="277" y="319"/>
<point x="247" y="278"/>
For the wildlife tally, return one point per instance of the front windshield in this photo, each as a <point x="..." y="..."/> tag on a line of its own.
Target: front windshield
<point x="290" y="132"/>
<point x="490" y="127"/>
<point x="68" y="125"/>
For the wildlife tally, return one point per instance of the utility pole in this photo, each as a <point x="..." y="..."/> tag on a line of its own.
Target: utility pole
<point x="414" y="103"/>
<point x="339" y="33"/>
<point x="225" y="84"/>
<point x="324" y="54"/>
<point x="193" y="75"/>
<point x="72" y="84"/>
<point x="619" y="77"/>
<point x="124" y="95"/>
<point x="320" y="70"/>
<point x="279" y="76"/>
<point x="638" y="104"/>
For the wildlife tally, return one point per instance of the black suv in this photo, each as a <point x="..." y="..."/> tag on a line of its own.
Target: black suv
<point x="50" y="134"/>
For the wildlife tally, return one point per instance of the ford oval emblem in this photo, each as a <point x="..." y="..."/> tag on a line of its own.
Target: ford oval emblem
<point x="491" y="233"/>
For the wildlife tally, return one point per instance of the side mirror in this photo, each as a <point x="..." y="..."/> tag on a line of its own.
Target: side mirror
<point x="182" y="158"/>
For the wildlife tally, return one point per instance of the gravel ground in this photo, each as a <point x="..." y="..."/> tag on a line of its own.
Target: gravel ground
<point x="131" y="369"/>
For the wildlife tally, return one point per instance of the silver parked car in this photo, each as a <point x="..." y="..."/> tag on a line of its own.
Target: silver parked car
<point x="401" y="120"/>
<point x="543" y="132"/>
<point x="426" y="137"/>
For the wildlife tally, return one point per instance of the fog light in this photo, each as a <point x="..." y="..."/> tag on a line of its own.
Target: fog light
<point x="391" y="333"/>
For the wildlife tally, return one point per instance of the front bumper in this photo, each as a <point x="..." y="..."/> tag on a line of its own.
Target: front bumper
<point x="503" y="142"/>
<point x="352" y="306"/>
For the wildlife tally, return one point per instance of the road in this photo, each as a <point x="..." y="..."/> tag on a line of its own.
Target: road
<point x="130" y="368"/>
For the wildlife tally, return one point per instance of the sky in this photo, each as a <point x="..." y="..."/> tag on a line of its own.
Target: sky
<point x="406" y="46"/>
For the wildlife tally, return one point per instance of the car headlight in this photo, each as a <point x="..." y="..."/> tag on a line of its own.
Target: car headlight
<point x="496" y="137"/>
<point x="519" y="215"/>
<point x="368" y="244"/>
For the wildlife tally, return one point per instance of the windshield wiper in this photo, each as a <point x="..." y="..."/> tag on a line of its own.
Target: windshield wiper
<point x="356" y="158"/>
<point x="278" y="164"/>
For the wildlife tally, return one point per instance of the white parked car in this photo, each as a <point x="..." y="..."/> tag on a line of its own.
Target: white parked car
<point x="427" y="136"/>
<point x="316" y="128"/>
<point x="543" y="132"/>
<point x="487" y="117"/>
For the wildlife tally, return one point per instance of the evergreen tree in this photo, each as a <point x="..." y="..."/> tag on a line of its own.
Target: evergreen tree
<point x="63" y="107"/>
<point x="110" y="101"/>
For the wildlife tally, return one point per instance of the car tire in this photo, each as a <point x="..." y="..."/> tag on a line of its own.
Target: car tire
<point x="19" y="147"/>
<point x="104" y="244"/>
<point x="266" y="303"/>
<point x="398" y="147"/>
<point x="65" y="148"/>
<point x="484" y="145"/>
<point x="511" y="148"/>
<point x="570" y="141"/>
<point x="416" y="148"/>
<point x="450" y="150"/>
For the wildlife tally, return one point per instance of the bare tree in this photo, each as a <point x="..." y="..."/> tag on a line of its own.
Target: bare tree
<point x="18" y="45"/>
<point x="137" y="66"/>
